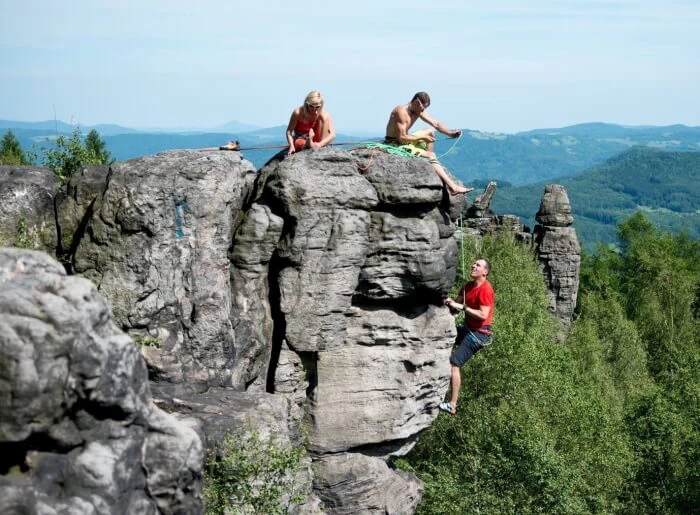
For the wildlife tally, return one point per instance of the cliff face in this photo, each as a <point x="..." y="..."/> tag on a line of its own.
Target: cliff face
<point x="305" y="298"/>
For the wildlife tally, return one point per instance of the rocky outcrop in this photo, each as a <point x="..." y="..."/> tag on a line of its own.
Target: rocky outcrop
<point x="559" y="253"/>
<point x="78" y="430"/>
<point x="153" y="234"/>
<point x="479" y="220"/>
<point x="304" y="299"/>
<point x="26" y="207"/>
<point x="359" y="343"/>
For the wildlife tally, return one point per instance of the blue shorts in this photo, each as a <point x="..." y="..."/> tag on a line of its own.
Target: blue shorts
<point x="468" y="343"/>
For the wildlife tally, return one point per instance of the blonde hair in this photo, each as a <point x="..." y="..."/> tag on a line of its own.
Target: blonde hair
<point x="314" y="98"/>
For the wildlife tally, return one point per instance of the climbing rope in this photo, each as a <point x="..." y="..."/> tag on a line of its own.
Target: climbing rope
<point x="398" y="150"/>
<point x="461" y="228"/>
<point x="449" y="151"/>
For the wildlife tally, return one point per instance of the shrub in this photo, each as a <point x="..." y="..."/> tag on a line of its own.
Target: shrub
<point x="252" y="474"/>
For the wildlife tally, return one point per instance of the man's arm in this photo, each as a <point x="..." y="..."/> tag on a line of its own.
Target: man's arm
<point x="439" y="126"/>
<point x="480" y="314"/>
<point x="403" y="123"/>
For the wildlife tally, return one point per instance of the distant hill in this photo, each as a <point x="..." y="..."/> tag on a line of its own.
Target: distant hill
<point x="665" y="185"/>
<point x="52" y="127"/>
<point x="234" y="126"/>
<point x="545" y="154"/>
<point x="523" y="158"/>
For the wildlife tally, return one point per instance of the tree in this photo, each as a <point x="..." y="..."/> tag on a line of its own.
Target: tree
<point x="95" y="145"/>
<point x="68" y="155"/>
<point x="11" y="151"/>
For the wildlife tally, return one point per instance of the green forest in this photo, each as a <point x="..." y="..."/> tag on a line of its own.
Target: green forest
<point x="665" y="185"/>
<point x="607" y="421"/>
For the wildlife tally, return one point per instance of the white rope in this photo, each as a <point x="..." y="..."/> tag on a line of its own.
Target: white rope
<point x="452" y="147"/>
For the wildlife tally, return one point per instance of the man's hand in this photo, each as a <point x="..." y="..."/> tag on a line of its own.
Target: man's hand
<point x="290" y="150"/>
<point x="430" y="138"/>
<point x="455" y="134"/>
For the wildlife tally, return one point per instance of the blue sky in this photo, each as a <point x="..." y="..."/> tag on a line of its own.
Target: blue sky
<point x="492" y="65"/>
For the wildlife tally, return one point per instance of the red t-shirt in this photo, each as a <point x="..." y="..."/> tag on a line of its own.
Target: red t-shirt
<point x="475" y="297"/>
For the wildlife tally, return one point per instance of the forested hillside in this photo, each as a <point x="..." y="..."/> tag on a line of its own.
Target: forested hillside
<point x="665" y="185"/>
<point x="608" y="421"/>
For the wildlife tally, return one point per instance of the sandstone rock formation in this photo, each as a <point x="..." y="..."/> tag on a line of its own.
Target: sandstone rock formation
<point x="26" y="207"/>
<point x="305" y="299"/>
<point x="78" y="431"/>
<point x="559" y="253"/>
<point x="479" y="220"/>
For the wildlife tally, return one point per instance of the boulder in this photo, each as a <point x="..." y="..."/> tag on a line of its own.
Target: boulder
<point x="304" y="299"/>
<point x="555" y="209"/>
<point x="153" y="234"/>
<point x="26" y="207"/>
<point x="352" y="483"/>
<point x="78" y="430"/>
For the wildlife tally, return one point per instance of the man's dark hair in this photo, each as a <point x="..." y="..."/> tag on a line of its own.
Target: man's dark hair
<point x="423" y="97"/>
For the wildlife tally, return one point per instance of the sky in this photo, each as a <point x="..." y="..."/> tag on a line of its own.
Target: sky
<point x="490" y="65"/>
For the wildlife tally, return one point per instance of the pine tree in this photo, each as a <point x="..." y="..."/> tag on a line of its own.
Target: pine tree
<point x="97" y="147"/>
<point x="11" y="151"/>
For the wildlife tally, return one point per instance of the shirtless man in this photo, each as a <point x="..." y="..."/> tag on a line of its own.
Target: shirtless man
<point x="420" y="143"/>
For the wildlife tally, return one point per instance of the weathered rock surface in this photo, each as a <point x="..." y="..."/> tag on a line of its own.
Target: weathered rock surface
<point x="559" y="254"/>
<point x="555" y="208"/>
<point x="154" y="234"/>
<point x="358" y="484"/>
<point x="304" y="299"/>
<point x="26" y="207"/>
<point x="78" y="431"/>
<point x="482" y="203"/>
<point x="359" y="344"/>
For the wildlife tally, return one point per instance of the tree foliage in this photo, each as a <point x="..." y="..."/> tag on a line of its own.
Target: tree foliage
<point x="70" y="154"/>
<point x="11" y="152"/>
<point x="97" y="147"/>
<point x="253" y="474"/>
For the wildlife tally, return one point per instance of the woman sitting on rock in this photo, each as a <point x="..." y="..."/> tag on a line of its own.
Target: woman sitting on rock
<point x="310" y="126"/>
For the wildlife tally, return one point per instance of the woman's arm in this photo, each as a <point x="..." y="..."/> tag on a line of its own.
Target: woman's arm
<point x="329" y="131"/>
<point x="290" y="130"/>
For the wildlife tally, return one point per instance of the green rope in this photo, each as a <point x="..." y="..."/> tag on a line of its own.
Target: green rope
<point x="402" y="152"/>
<point x="461" y="225"/>
<point x="390" y="149"/>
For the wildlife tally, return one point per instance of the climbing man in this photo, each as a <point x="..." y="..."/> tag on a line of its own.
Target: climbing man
<point x="420" y="143"/>
<point x="478" y="300"/>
